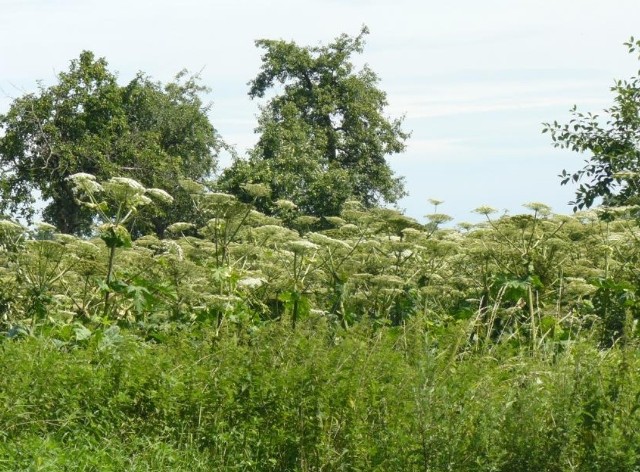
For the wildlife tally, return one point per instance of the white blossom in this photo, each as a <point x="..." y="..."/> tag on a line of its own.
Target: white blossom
<point x="127" y="182"/>
<point x="325" y="240"/>
<point x="180" y="227"/>
<point x="81" y="176"/>
<point x="302" y="245"/>
<point x="283" y="204"/>
<point x="6" y="225"/>
<point x="85" y="183"/>
<point x="250" y="282"/>
<point x="160" y="194"/>
<point x="45" y="227"/>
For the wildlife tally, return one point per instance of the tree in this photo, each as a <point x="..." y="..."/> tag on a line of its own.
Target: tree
<point x="324" y="138"/>
<point x="89" y="123"/>
<point x="612" y="171"/>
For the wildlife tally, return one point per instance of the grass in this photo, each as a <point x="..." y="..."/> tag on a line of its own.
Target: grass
<point x="315" y="399"/>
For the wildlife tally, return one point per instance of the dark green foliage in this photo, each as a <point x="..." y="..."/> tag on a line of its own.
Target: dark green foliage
<point x="617" y="306"/>
<point x="324" y="138"/>
<point x="89" y="123"/>
<point x="611" y="171"/>
<point x="271" y="400"/>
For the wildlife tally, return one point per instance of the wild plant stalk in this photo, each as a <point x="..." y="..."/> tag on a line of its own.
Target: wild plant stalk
<point x="112" y="256"/>
<point x="115" y="202"/>
<point x="299" y="273"/>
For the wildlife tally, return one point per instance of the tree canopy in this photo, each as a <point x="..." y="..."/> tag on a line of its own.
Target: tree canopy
<point x="324" y="137"/>
<point x="87" y="122"/>
<point x="612" y="172"/>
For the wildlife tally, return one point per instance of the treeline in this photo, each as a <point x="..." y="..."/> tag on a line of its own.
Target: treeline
<point x="323" y="137"/>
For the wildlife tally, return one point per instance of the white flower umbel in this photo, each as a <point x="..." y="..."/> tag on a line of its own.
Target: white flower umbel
<point x="10" y="226"/>
<point x="45" y="227"/>
<point x="335" y="221"/>
<point x="301" y="246"/>
<point x="159" y="195"/>
<point x="485" y="210"/>
<point x="257" y="190"/>
<point x="80" y="176"/>
<point x="250" y="282"/>
<point x="85" y="183"/>
<point x="126" y="182"/>
<point x="326" y="241"/>
<point x="180" y="227"/>
<point x="192" y="187"/>
<point x="283" y="204"/>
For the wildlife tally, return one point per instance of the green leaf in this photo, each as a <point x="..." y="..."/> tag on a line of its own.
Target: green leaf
<point x="115" y="236"/>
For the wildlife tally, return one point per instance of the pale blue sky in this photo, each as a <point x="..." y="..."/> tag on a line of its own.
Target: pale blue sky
<point x="474" y="79"/>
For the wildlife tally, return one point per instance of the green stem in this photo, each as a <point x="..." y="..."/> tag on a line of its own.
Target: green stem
<point x="294" y="317"/>
<point x="532" y="314"/>
<point x="112" y="254"/>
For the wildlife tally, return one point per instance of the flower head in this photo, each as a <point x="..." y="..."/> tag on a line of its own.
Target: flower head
<point x="159" y="195"/>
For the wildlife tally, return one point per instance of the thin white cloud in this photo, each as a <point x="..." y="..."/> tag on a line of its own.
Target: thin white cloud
<point x="486" y="97"/>
<point x="434" y="108"/>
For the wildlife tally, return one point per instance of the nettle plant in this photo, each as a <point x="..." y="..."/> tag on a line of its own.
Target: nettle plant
<point x="115" y="203"/>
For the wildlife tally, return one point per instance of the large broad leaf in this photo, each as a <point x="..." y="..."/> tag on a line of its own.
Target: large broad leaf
<point x="516" y="288"/>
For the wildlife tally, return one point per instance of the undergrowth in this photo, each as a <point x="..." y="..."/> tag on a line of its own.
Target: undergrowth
<point x="318" y="398"/>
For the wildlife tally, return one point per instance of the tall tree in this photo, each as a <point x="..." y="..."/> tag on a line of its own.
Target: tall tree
<point x="87" y="122"/>
<point x="612" y="140"/>
<point x="324" y="137"/>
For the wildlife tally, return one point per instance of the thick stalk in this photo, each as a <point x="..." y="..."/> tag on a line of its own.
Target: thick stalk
<point x="294" y="315"/>
<point x="532" y="314"/>
<point x="112" y="255"/>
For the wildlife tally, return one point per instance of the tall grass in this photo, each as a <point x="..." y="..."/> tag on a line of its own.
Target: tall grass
<point x="272" y="399"/>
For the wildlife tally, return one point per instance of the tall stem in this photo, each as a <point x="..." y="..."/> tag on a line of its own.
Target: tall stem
<point x="112" y="255"/>
<point x="294" y="315"/>
<point x="532" y="315"/>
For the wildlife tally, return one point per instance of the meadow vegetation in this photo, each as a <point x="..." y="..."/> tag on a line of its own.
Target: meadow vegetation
<point x="365" y="341"/>
<point x="283" y="317"/>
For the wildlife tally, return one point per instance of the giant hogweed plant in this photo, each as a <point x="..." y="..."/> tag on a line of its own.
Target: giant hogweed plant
<point x="538" y="275"/>
<point x="114" y="203"/>
<point x="241" y="268"/>
<point x="12" y="238"/>
<point x="393" y="261"/>
<point x="616" y="296"/>
<point x="34" y="263"/>
<point x="226" y="248"/>
<point x="519" y="260"/>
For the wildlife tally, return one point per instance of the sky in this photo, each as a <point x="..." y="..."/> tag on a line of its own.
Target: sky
<point x="474" y="80"/>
